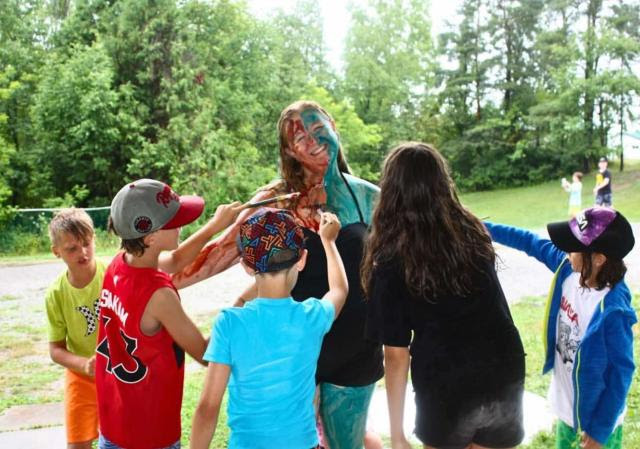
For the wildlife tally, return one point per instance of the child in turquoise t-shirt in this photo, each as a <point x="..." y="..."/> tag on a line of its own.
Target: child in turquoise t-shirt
<point x="267" y="351"/>
<point x="575" y="193"/>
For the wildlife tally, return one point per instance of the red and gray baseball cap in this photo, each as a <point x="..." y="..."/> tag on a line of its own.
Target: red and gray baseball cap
<point x="270" y="241"/>
<point x="597" y="229"/>
<point x="146" y="205"/>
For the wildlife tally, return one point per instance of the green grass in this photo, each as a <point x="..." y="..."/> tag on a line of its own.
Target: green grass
<point x="193" y="384"/>
<point x="528" y="315"/>
<point x="534" y="206"/>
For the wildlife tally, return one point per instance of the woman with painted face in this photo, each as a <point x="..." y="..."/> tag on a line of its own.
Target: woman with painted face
<point x="312" y="163"/>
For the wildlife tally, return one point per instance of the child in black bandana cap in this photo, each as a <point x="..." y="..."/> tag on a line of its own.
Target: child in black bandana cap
<point x="589" y="341"/>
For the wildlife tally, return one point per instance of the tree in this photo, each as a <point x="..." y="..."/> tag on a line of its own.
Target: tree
<point x="22" y="32"/>
<point x="389" y="65"/>
<point x="621" y="41"/>
<point x="465" y="84"/>
<point x="82" y="138"/>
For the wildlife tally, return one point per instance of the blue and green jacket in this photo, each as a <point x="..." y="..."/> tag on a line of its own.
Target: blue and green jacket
<point x="603" y="367"/>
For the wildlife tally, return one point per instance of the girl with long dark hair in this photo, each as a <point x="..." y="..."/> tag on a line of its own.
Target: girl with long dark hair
<point x="435" y="303"/>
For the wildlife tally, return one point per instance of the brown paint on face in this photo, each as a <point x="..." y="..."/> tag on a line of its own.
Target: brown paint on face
<point x="295" y="126"/>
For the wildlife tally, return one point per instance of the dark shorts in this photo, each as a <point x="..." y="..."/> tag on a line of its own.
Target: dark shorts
<point x="496" y="423"/>
<point x="604" y="200"/>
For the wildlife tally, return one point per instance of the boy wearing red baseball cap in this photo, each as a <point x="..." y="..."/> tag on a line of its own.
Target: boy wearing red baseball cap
<point x="143" y="329"/>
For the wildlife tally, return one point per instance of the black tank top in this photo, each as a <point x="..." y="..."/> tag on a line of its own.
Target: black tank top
<point x="347" y="358"/>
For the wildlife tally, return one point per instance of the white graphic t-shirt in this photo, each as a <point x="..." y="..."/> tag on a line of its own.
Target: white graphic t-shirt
<point x="577" y="307"/>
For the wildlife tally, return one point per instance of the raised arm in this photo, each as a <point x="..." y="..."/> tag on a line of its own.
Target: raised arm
<point x="528" y="242"/>
<point x="176" y="260"/>
<point x="219" y="254"/>
<point x="338" y="284"/>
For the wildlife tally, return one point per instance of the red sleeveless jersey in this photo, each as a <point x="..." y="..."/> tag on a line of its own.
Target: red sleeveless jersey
<point x="138" y="377"/>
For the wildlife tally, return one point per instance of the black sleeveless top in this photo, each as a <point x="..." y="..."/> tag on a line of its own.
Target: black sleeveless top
<point x="347" y="358"/>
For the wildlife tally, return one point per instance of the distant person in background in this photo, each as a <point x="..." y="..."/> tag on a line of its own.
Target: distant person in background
<point x="602" y="190"/>
<point x="575" y="193"/>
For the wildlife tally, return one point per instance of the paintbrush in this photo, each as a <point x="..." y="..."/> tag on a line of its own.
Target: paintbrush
<point x="275" y="199"/>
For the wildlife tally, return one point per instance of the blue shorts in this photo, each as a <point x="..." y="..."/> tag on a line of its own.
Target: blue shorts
<point x="604" y="200"/>
<point x="103" y="443"/>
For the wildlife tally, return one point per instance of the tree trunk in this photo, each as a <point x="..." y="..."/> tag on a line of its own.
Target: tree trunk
<point x="591" y="60"/>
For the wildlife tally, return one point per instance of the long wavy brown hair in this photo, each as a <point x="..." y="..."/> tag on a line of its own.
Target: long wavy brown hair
<point x="291" y="170"/>
<point x="420" y="222"/>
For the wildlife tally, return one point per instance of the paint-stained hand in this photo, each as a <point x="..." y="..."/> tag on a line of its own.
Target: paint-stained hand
<point x="586" y="442"/>
<point x="329" y="227"/>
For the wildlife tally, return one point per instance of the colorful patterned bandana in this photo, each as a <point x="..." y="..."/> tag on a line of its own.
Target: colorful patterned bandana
<point x="270" y="241"/>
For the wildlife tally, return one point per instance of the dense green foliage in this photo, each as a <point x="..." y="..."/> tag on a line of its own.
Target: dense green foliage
<point x="94" y="93"/>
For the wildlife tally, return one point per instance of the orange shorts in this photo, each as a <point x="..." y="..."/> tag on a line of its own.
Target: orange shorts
<point x="80" y="407"/>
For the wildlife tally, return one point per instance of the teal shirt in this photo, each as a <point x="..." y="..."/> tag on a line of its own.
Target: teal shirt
<point x="272" y="347"/>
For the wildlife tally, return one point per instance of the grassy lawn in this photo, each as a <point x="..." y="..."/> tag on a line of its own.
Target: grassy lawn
<point x="534" y="206"/>
<point x="28" y="375"/>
